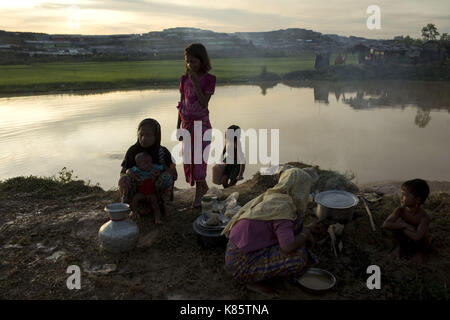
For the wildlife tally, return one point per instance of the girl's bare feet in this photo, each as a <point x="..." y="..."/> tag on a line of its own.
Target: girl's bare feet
<point x="200" y="190"/>
<point x="263" y="288"/>
<point x="196" y="203"/>
<point x="203" y="189"/>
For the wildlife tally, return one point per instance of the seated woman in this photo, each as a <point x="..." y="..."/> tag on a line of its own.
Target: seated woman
<point x="149" y="141"/>
<point x="267" y="238"/>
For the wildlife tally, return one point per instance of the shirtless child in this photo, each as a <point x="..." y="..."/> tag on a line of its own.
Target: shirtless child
<point x="410" y="223"/>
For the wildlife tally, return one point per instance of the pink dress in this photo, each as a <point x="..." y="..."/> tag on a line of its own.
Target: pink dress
<point x="190" y="110"/>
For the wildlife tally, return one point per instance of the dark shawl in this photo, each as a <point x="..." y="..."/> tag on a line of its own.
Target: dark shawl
<point x="160" y="155"/>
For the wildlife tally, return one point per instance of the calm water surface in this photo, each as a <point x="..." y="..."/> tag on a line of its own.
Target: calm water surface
<point x="376" y="130"/>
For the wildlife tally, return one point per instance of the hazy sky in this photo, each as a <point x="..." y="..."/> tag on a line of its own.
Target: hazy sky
<point x="343" y="17"/>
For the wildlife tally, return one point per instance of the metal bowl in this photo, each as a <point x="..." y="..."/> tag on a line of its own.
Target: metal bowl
<point x="336" y="205"/>
<point x="117" y="210"/>
<point x="317" y="280"/>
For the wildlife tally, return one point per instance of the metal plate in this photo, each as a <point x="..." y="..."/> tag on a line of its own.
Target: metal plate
<point x="317" y="280"/>
<point x="336" y="199"/>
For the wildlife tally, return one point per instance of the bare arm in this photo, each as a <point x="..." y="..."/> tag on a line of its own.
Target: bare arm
<point x="421" y="229"/>
<point x="203" y="98"/>
<point x="241" y="171"/>
<point x="394" y="221"/>
<point x="180" y="137"/>
<point x="179" y="117"/>
<point x="299" y="241"/>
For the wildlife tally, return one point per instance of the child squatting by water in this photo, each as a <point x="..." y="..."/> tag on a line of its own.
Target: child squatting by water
<point x="410" y="223"/>
<point x="145" y="171"/>
<point x="235" y="165"/>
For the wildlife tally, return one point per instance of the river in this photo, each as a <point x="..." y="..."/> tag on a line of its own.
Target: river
<point x="375" y="130"/>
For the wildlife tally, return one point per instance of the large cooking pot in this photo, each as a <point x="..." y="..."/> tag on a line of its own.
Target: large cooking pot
<point x="336" y="205"/>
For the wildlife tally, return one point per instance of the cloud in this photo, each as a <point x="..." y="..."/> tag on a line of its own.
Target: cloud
<point x="344" y="17"/>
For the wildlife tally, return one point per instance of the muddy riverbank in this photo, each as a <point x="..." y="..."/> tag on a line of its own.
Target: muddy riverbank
<point x="43" y="231"/>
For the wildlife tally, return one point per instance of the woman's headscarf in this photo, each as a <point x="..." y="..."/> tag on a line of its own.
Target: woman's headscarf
<point x="285" y="200"/>
<point x="154" y="150"/>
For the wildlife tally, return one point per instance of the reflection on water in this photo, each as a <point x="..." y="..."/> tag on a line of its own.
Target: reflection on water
<point x="426" y="96"/>
<point x="422" y="118"/>
<point x="377" y="130"/>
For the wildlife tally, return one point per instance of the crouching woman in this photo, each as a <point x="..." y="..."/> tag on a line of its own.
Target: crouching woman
<point x="267" y="237"/>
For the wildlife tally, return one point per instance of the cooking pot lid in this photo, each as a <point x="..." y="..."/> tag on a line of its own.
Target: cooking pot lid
<point x="336" y="199"/>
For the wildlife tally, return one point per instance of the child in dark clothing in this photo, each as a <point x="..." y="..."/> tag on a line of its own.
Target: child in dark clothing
<point x="234" y="167"/>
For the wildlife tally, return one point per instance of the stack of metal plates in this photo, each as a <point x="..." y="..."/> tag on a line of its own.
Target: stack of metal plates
<point x="202" y="228"/>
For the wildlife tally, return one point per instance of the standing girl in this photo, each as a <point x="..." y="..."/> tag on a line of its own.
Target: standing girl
<point x="196" y="88"/>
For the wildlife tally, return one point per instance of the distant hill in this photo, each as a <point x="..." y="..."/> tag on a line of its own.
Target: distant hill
<point x="27" y="46"/>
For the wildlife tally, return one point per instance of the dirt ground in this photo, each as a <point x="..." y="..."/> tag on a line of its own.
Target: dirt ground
<point x="40" y="238"/>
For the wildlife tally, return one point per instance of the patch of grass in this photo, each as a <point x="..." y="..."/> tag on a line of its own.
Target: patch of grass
<point x="125" y="74"/>
<point x="65" y="186"/>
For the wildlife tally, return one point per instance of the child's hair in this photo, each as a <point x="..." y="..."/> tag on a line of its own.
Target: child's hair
<point x="418" y="188"/>
<point x="142" y="155"/>
<point x="234" y="128"/>
<point x="198" y="51"/>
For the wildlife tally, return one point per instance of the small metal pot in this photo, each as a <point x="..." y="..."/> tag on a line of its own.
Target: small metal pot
<point x="336" y="205"/>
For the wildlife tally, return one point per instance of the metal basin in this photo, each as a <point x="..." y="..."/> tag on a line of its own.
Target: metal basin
<point x="336" y="205"/>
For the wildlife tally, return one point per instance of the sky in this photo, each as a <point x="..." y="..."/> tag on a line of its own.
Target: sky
<point x="343" y="17"/>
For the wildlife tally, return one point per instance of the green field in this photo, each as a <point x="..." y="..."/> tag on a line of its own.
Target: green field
<point x="95" y="75"/>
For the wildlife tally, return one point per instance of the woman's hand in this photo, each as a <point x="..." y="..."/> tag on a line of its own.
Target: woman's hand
<point x="124" y="182"/>
<point x="310" y="242"/>
<point x="239" y="178"/>
<point x="316" y="227"/>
